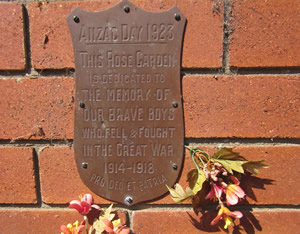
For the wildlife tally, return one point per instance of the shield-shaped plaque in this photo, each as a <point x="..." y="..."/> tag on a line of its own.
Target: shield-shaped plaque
<point x="128" y="131"/>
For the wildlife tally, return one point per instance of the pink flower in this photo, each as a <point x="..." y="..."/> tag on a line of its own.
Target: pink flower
<point x="226" y="214"/>
<point x="212" y="194"/>
<point x="85" y="205"/>
<point x="112" y="228"/>
<point x="234" y="192"/>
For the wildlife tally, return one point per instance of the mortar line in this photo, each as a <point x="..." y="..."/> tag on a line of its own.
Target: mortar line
<point x="158" y="207"/>
<point x="226" y="39"/>
<point x="187" y="141"/>
<point x="37" y="177"/>
<point x="27" y="46"/>
<point x="262" y="71"/>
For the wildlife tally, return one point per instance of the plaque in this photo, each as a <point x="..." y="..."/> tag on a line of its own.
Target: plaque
<point x="128" y="128"/>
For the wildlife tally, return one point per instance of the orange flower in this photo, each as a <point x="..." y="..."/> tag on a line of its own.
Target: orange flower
<point x="115" y="227"/>
<point x="233" y="193"/>
<point x="226" y="214"/>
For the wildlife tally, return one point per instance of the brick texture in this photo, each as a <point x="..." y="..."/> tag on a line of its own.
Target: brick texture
<point x="40" y="221"/>
<point x="51" y="45"/>
<point x="17" y="176"/>
<point x="179" y="221"/>
<point x="36" y="108"/>
<point x="60" y="181"/>
<point x="265" y="33"/>
<point x="241" y="106"/>
<point x="203" y="42"/>
<point x="12" y="54"/>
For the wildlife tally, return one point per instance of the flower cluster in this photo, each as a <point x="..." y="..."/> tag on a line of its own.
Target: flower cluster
<point x="219" y="173"/>
<point x="84" y="206"/>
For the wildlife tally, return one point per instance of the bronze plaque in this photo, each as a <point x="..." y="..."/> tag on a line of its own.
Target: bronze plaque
<point x="129" y="130"/>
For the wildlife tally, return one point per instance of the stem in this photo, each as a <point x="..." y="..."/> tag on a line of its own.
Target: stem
<point x="192" y="155"/>
<point x="86" y="225"/>
<point x="217" y="195"/>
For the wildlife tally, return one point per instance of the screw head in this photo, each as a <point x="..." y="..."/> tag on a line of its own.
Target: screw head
<point x="128" y="200"/>
<point x="174" y="165"/>
<point x="174" y="104"/>
<point x="81" y="104"/>
<point x="84" y="165"/>
<point x="76" y="19"/>
<point x="127" y="9"/>
<point x="177" y="17"/>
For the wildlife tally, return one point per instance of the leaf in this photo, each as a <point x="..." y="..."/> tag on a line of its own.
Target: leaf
<point x="196" y="179"/>
<point x="231" y="165"/>
<point x="253" y="166"/>
<point x="98" y="225"/>
<point x="228" y="154"/>
<point x="178" y="194"/>
<point x="199" y="202"/>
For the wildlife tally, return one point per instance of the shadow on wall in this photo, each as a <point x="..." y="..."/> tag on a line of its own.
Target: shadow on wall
<point x="248" y="223"/>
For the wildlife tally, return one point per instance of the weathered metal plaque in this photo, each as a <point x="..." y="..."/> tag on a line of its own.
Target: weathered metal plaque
<point x="128" y="131"/>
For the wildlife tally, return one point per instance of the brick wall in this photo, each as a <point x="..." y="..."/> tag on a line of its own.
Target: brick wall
<point x="241" y="89"/>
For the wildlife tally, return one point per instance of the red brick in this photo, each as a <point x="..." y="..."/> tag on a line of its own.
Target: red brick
<point x="178" y="221"/>
<point x="44" y="221"/>
<point x="36" y="108"/>
<point x="265" y="33"/>
<point x="277" y="184"/>
<point x="57" y="52"/>
<point x="45" y="23"/>
<point x="12" y="54"/>
<point x="17" y="176"/>
<point x="242" y="106"/>
<point x="203" y="42"/>
<point x="60" y="181"/>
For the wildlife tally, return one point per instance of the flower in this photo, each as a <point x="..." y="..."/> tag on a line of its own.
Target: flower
<point x="234" y="192"/>
<point x="74" y="228"/>
<point x="115" y="227"/>
<point x="212" y="194"/>
<point x="84" y="205"/>
<point x="226" y="214"/>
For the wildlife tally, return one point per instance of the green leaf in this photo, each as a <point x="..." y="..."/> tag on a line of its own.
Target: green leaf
<point x="253" y="166"/>
<point x="228" y="154"/>
<point x="178" y="194"/>
<point x="231" y="165"/>
<point x="196" y="179"/>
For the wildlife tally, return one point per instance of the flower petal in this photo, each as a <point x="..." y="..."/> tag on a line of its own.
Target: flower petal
<point x="239" y="191"/>
<point x="88" y="198"/>
<point x="124" y="230"/>
<point x="235" y="180"/>
<point x="109" y="227"/>
<point x="236" y="214"/>
<point x="65" y="230"/>
<point x="96" y="207"/>
<point x="228" y="222"/>
<point x="75" y="204"/>
<point x="231" y="199"/>
<point x="211" y="193"/>
<point x="215" y="220"/>
<point x="85" y="207"/>
<point x="234" y="191"/>
<point x="80" y="229"/>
